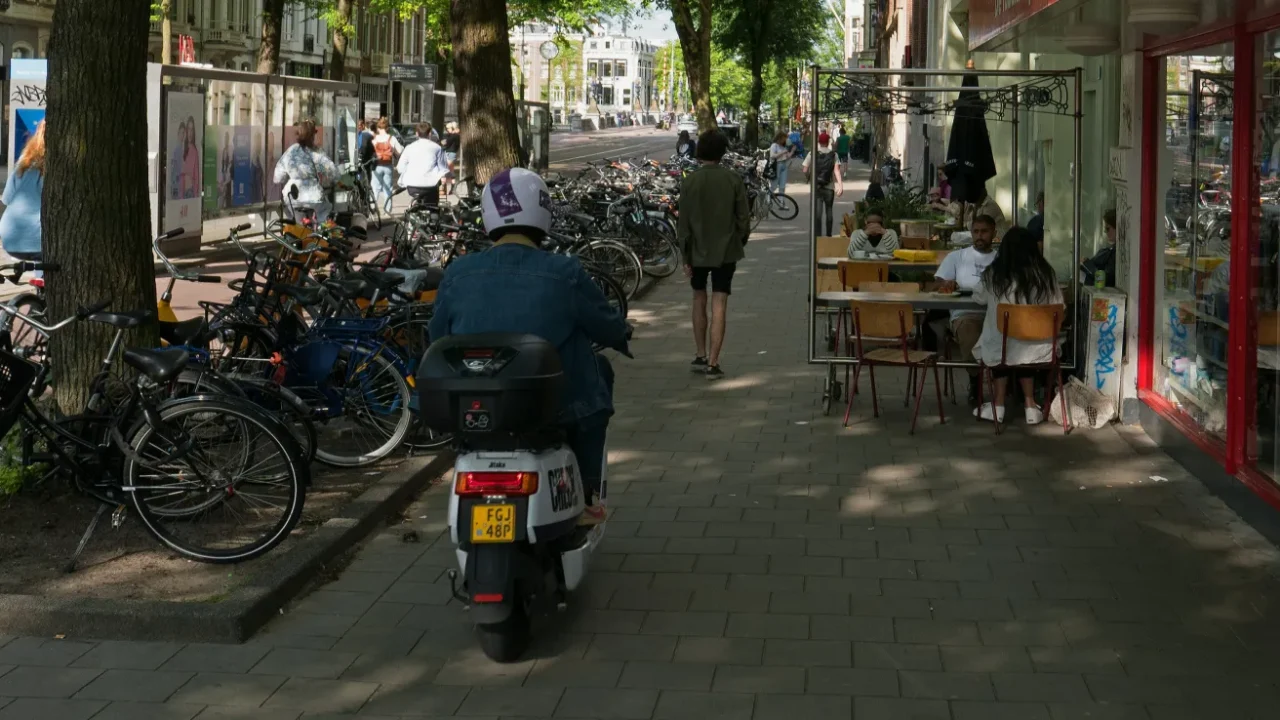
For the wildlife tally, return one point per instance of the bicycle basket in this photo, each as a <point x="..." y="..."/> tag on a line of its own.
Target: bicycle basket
<point x="16" y="378"/>
<point x="344" y="328"/>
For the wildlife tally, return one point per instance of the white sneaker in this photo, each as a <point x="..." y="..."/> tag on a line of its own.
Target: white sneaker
<point x="985" y="413"/>
<point x="1034" y="416"/>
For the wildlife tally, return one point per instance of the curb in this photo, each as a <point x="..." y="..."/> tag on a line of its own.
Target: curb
<point x="275" y="580"/>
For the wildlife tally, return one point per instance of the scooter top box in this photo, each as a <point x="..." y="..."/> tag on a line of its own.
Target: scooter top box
<point x="491" y="384"/>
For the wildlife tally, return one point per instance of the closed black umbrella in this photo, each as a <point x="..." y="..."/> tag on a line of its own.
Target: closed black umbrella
<point x="970" y="163"/>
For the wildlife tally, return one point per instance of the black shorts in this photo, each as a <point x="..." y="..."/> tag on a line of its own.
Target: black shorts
<point x="721" y="278"/>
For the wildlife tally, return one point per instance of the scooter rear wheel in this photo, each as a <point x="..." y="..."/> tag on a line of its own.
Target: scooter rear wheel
<point x="506" y="641"/>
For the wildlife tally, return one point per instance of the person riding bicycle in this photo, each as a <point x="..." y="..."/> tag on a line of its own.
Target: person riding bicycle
<point x="514" y="287"/>
<point x="422" y="167"/>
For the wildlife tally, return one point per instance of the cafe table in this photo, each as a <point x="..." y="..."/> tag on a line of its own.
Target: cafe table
<point x="833" y="263"/>
<point x="918" y="300"/>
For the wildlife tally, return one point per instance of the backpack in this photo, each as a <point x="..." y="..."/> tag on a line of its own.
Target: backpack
<point x="382" y="148"/>
<point x="826" y="168"/>
<point x="770" y="170"/>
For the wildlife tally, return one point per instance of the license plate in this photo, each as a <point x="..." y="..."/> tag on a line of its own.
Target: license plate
<point x="493" y="523"/>
<point x="477" y="421"/>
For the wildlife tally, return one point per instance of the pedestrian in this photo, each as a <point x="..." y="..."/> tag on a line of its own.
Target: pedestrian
<point x="363" y="135"/>
<point x="452" y="146"/>
<point x="829" y="180"/>
<point x="875" y="191"/>
<point x="423" y="165"/>
<point x="715" y="222"/>
<point x="305" y="167"/>
<point x="20" y="223"/>
<point x="842" y="146"/>
<point x="685" y="146"/>
<point x="780" y="155"/>
<point x="385" y="149"/>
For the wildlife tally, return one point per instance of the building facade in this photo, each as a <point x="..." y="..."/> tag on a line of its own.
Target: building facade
<point x="1179" y="136"/>
<point x="620" y="75"/>
<point x="225" y="34"/>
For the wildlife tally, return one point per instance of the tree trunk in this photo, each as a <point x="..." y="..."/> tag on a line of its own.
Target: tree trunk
<point x="338" y="58"/>
<point x="695" y="42"/>
<point x="166" y="33"/>
<point x="753" y="109"/>
<point x="482" y="76"/>
<point x="95" y="211"/>
<point x="759" y="39"/>
<point x="269" y="45"/>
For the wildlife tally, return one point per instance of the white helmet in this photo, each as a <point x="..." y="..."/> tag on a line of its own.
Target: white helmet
<point x="516" y="198"/>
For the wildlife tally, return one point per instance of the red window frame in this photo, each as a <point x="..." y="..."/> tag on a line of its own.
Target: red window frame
<point x="1237" y="453"/>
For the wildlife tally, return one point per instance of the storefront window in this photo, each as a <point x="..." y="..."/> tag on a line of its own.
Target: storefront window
<point x="1265" y="445"/>
<point x="1194" y="263"/>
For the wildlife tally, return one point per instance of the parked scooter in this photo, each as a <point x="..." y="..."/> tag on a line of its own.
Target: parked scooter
<point x="517" y="494"/>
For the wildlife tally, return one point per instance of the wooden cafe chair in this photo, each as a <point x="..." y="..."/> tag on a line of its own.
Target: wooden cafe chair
<point x="888" y="323"/>
<point x="1028" y="323"/>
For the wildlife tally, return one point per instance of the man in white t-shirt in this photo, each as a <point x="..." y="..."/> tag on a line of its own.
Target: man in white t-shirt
<point x="962" y="270"/>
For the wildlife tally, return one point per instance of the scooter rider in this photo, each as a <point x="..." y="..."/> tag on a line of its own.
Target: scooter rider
<point x="514" y="287"/>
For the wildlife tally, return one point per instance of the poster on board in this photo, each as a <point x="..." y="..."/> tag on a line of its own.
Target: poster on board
<point x="183" y="148"/>
<point x="345" y="108"/>
<point x="242" y="192"/>
<point x="26" y="102"/>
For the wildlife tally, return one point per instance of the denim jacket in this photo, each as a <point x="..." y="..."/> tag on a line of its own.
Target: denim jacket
<point x="516" y="288"/>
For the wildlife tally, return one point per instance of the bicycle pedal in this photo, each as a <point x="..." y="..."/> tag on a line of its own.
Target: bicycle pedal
<point x="117" y="517"/>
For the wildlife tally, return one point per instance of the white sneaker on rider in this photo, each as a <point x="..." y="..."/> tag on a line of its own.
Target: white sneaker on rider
<point x="1034" y="416"/>
<point x="985" y="413"/>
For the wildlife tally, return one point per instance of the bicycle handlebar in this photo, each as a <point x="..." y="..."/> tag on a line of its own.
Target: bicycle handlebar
<point x="81" y="314"/>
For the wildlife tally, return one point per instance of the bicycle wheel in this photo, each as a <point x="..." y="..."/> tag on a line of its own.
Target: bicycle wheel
<point x="661" y="253"/>
<point x="783" y="207"/>
<point x="216" y="480"/>
<point x="612" y="292"/>
<point x="407" y="331"/>
<point x="285" y="405"/>
<point x="617" y="261"/>
<point x="367" y="409"/>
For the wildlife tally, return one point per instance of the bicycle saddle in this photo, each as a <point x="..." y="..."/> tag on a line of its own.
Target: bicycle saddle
<point x="586" y="222"/>
<point x="304" y="295"/>
<point x="124" y="320"/>
<point x="347" y="288"/>
<point x="380" y="280"/>
<point x="193" y="332"/>
<point x="159" y="365"/>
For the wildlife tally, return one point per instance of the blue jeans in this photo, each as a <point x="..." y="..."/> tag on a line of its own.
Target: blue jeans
<point x="780" y="182"/>
<point x="587" y="438"/>
<point x="382" y="186"/>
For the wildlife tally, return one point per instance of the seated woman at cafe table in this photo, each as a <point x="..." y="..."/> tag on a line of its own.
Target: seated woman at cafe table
<point x="873" y="237"/>
<point x="1019" y="275"/>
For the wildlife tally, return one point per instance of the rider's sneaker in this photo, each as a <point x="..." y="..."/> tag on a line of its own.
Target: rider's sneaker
<point x="699" y="364"/>
<point x="592" y="515"/>
<point x="714" y="372"/>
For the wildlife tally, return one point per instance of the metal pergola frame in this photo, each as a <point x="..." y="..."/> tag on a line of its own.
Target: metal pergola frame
<point x="1012" y="91"/>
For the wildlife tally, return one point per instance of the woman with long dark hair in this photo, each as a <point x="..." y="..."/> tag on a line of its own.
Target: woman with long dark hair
<point x="1019" y="275"/>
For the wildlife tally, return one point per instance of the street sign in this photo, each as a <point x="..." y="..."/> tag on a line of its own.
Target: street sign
<point x="422" y="74"/>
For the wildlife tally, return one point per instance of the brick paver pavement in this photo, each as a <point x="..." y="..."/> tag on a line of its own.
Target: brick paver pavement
<point x="761" y="563"/>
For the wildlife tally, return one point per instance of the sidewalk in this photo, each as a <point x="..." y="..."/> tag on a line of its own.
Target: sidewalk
<point x="763" y="563"/>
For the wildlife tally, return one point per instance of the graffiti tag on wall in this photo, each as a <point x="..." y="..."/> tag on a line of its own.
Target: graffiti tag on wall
<point x="1104" y="363"/>
<point x="29" y="95"/>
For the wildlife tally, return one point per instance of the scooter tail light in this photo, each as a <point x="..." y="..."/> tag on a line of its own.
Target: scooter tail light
<point x="487" y="598"/>
<point x="496" y="483"/>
